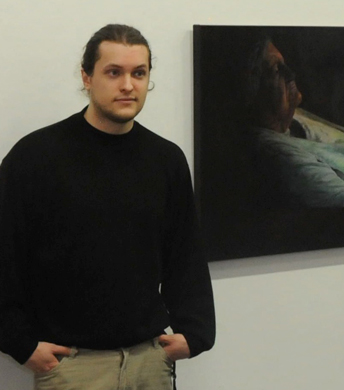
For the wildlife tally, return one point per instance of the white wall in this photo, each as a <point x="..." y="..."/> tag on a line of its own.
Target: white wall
<point x="280" y="318"/>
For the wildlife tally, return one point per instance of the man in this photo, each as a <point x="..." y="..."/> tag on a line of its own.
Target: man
<point x="295" y="172"/>
<point x="273" y="103"/>
<point x="99" y="240"/>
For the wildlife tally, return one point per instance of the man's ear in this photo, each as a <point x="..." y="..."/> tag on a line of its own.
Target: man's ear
<point x="86" y="79"/>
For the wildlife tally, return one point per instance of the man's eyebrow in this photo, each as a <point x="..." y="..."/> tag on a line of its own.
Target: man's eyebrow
<point x="112" y="65"/>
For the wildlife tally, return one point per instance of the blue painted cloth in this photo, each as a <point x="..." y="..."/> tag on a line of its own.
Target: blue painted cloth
<point x="309" y="173"/>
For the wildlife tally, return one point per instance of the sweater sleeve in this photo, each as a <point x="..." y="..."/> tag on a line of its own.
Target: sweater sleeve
<point x="186" y="286"/>
<point x="15" y="332"/>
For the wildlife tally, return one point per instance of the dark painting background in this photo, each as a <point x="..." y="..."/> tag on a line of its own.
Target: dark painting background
<point x="233" y="226"/>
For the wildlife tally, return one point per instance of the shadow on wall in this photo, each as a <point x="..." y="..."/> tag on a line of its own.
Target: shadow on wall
<point x="277" y="263"/>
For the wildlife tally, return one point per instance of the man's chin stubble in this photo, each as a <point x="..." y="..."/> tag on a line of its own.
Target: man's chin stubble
<point x="118" y="119"/>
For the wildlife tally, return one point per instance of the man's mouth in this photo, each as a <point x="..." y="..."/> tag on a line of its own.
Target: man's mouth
<point x="126" y="99"/>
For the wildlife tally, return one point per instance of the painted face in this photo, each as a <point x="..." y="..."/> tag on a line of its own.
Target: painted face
<point x="278" y="95"/>
<point x="119" y="83"/>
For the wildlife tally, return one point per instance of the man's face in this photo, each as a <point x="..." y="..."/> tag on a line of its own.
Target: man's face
<point x="119" y="83"/>
<point x="278" y="95"/>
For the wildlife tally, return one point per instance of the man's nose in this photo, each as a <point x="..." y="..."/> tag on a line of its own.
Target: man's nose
<point x="126" y="83"/>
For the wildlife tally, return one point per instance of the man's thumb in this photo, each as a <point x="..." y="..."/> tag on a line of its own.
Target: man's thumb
<point x="164" y="339"/>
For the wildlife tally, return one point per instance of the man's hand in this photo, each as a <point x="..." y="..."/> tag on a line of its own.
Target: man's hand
<point x="175" y="346"/>
<point x="43" y="358"/>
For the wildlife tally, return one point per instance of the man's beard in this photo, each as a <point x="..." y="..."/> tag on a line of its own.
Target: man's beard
<point x="277" y="106"/>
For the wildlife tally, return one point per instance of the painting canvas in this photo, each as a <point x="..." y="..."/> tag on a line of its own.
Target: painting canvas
<point x="269" y="139"/>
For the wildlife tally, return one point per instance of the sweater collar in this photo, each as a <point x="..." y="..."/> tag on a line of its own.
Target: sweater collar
<point x="119" y="139"/>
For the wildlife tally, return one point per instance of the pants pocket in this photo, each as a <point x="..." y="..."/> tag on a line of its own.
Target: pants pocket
<point x="62" y="359"/>
<point x="163" y="352"/>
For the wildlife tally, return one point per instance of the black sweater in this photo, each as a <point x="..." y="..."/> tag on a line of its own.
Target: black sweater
<point x="99" y="243"/>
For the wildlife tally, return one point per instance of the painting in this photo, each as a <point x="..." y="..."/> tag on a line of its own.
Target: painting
<point x="269" y="139"/>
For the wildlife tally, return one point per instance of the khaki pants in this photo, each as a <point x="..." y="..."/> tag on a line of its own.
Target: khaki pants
<point x="141" y="367"/>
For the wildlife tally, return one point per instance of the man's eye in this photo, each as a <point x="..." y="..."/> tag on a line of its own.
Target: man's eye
<point x="114" y="72"/>
<point x="139" y="73"/>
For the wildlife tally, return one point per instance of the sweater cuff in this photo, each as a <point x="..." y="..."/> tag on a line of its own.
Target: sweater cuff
<point x="21" y="350"/>
<point x="196" y="346"/>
